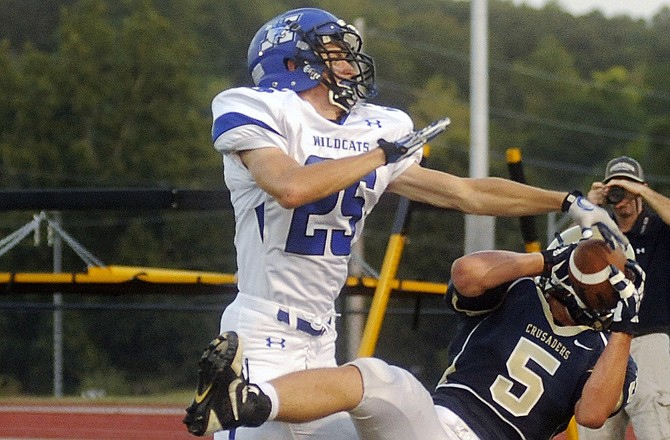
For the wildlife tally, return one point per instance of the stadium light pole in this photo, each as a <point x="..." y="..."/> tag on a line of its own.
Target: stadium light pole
<point x="479" y="230"/>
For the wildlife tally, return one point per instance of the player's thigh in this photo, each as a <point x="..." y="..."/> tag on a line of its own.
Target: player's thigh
<point x="271" y="348"/>
<point x="395" y="405"/>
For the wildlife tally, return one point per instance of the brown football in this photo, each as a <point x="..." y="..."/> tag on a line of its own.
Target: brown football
<point x="589" y="273"/>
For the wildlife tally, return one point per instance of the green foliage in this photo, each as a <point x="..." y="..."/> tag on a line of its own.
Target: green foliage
<point x="116" y="94"/>
<point x="34" y="21"/>
<point x="545" y="75"/>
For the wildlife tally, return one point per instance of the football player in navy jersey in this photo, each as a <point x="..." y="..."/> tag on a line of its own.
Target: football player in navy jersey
<point x="306" y="158"/>
<point x="529" y="353"/>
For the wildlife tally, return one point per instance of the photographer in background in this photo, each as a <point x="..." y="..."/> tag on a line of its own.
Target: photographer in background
<point x="643" y="215"/>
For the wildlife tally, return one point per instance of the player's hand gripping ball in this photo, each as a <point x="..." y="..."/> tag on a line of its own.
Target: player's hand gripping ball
<point x="589" y="273"/>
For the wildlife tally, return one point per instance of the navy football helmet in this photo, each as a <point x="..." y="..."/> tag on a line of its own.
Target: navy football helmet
<point x="560" y="287"/>
<point x="558" y="284"/>
<point x="301" y="35"/>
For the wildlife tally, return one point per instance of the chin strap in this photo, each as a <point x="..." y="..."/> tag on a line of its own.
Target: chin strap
<point x="341" y="96"/>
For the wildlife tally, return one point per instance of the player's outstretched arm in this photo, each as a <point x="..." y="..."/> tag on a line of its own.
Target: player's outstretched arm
<point x="486" y="196"/>
<point x="500" y="197"/>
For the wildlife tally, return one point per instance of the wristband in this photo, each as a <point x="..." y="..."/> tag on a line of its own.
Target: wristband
<point x="392" y="151"/>
<point x="546" y="265"/>
<point x="570" y="199"/>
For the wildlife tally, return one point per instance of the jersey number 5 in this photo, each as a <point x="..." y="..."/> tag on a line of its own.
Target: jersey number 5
<point x="517" y="368"/>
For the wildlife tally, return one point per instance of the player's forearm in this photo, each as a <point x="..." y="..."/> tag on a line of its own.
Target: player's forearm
<point x="318" y="180"/>
<point x="503" y="197"/>
<point x="603" y="390"/>
<point x="486" y="196"/>
<point x="475" y="273"/>
<point x="491" y="196"/>
<point x="293" y="184"/>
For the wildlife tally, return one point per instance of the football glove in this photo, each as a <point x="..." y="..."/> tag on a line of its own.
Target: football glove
<point x="408" y="144"/>
<point x="588" y="215"/>
<point x="555" y="256"/>
<point x="625" y="315"/>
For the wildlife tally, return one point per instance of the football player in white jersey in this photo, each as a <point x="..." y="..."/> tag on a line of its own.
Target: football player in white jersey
<point x="306" y="159"/>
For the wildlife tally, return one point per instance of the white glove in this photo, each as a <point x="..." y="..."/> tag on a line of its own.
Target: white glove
<point x="631" y="293"/>
<point x="587" y="215"/>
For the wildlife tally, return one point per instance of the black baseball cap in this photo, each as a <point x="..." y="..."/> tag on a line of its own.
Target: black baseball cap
<point x="624" y="167"/>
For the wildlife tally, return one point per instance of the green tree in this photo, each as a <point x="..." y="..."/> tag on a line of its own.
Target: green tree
<point x="545" y="76"/>
<point x="101" y="93"/>
<point x="30" y="21"/>
<point x="117" y="103"/>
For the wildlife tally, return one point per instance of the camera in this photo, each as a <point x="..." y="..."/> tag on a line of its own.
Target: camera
<point x="615" y="194"/>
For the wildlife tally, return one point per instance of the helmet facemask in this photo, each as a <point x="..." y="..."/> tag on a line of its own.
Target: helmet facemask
<point x="330" y="43"/>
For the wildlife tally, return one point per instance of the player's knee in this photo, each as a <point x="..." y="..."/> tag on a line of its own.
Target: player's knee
<point x="375" y="372"/>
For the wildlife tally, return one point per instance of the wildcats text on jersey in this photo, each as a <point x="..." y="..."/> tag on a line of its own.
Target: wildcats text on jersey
<point x="341" y="144"/>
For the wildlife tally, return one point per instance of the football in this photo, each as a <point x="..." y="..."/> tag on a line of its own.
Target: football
<point x="589" y="273"/>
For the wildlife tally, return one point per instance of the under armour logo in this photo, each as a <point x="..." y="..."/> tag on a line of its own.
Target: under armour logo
<point x="639" y="251"/>
<point x="270" y="341"/>
<point x="373" y="123"/>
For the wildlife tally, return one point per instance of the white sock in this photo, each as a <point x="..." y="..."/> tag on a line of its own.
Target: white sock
<point x="270" y="391"/>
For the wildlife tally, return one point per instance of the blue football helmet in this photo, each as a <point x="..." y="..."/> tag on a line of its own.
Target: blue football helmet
<point x="301" y="35"/>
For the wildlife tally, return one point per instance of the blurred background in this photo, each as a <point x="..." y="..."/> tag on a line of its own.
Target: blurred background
<point x="116" y="94"/>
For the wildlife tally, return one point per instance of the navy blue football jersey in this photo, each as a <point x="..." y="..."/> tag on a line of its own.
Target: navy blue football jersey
<point x="514" y="373"/>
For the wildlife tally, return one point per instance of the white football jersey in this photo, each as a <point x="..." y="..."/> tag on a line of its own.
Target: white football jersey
<point x="299" y="257"/>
